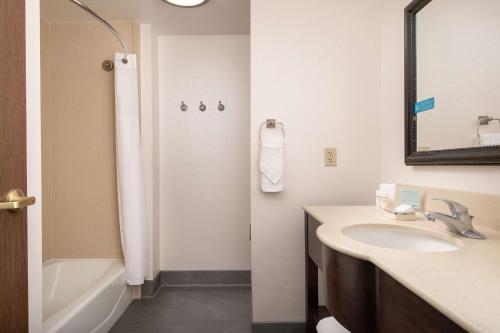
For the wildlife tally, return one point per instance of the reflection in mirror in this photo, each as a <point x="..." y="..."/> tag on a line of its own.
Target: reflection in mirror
<point x="458" y="74"/>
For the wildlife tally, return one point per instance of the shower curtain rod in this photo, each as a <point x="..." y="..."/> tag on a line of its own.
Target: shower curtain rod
<point x="107" y="25"/>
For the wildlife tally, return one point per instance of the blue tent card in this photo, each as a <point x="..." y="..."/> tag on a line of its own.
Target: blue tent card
<point x="411" y="198"/>
<point x="425" y="105"/>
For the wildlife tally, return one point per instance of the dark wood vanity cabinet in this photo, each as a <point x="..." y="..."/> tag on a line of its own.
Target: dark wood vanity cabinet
<point x="350" y="290"/>
<point x="362" y="297"/>
<point x="400" y="310"/>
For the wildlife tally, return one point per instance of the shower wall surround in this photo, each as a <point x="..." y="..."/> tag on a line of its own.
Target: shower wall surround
<point x="45" y="46"/>
<point x="80" y="213"/>
<point x="204" y="156"/>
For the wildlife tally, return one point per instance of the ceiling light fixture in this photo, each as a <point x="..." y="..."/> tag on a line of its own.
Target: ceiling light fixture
<point x="186" y="3"/>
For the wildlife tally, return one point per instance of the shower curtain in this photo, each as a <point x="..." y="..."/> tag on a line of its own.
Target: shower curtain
<point x="131" y="194"/>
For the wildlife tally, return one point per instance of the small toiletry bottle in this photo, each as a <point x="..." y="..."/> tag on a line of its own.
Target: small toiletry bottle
<point x="422" y="207"/>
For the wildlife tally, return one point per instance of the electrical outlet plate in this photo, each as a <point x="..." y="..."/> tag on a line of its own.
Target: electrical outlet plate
<point x="330" y="156"/>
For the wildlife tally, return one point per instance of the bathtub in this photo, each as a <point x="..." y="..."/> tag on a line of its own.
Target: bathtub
<point x="83" y="295"/>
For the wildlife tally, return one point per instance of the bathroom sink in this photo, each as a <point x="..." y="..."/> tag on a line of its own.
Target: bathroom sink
<point x="400" y="238"/>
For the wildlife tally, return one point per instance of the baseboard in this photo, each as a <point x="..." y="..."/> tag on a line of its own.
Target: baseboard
<point x="287" y="327"/>
<point x="151" y="287"/>
<point x="195" y="278"/>
<point x="205" y="278"/>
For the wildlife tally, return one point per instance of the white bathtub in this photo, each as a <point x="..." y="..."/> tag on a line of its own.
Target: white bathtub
<point x="83" y="295"/>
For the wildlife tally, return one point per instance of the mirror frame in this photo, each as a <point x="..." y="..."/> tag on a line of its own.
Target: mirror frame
<point x="459" y="156"/>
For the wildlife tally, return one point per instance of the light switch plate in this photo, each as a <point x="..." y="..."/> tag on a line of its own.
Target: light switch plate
<point x="330" y="156"/>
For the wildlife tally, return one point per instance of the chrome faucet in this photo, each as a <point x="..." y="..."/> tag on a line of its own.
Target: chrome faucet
<point x="460" y="222"/>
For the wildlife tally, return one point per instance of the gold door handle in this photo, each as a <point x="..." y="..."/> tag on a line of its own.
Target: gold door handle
<point x="16" y="200"/>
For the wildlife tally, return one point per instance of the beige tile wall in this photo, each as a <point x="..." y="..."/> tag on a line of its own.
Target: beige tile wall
<point x="80" y="218"/>
<point x="45" y="61"/>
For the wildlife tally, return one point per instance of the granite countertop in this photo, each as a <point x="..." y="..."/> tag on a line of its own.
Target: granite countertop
<point x="464" y="284"/>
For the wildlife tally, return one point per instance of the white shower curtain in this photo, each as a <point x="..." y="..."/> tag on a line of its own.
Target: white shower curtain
<point x="131" y="195"/>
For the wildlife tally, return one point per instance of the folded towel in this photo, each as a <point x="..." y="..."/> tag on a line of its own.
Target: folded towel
<point x="330" y="325"/>
<point x="271" y="161"/>
<point x="489" y="139"/>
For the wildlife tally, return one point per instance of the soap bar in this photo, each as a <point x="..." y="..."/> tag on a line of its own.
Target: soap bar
<point x="404" y="209"/>
<point x="400" y="217"/>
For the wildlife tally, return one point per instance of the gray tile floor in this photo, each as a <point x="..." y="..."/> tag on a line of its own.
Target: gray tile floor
<point x="190" y="310"/>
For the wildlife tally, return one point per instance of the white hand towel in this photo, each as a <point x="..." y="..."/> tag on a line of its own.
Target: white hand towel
<point x="271" y="161"/>
<point x="330" y="325"/>
<point x="489" y="139"/>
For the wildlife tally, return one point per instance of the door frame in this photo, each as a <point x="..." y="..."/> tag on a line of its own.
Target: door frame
<point x="34" y="163"/>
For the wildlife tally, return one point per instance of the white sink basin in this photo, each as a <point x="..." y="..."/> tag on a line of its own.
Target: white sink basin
<point x="400" y="238"/>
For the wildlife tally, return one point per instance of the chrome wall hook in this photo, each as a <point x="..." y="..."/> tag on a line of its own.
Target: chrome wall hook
<point x="184" y="107"/>
<point x="221" y="106"/>
<point x="203" y="107"/>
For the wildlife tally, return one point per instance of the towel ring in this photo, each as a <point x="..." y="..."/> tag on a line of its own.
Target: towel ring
<point x="484" y="120"/>
<point x="271" y="123"/>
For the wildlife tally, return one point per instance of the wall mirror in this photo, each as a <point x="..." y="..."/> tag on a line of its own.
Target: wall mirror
<point x="452" y="82"/>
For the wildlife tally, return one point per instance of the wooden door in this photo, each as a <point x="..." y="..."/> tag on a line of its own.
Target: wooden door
<point x="13" y="225"/>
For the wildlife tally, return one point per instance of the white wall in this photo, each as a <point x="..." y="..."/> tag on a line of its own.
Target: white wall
<point x="155" y="242"/>
<point x="204" y="156"/>
<point x="474" y="178"/>
<point x="458" y="63"/>
<point x="34" y="164"/>
<point x="315" y="67"/>
<point x="148" y="139"/>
